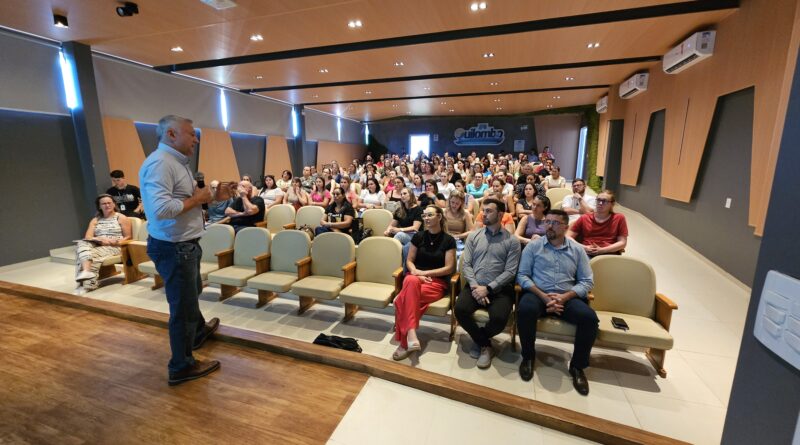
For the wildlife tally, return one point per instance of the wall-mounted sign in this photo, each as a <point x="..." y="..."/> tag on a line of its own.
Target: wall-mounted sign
<point x="436" y="137"/>
<point x="524" y="127"/>
<point x="481" y="134"/>
<point x="519" y="145"/>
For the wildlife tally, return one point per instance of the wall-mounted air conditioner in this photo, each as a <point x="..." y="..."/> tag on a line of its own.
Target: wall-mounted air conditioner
<point x="692" y="50"/>
<point x="633" y="86"/>
<point x="602" y="105"/>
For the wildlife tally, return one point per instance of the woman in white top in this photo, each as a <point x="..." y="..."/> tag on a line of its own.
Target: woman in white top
<point x="372" y="197"/>
<point x="286" y="180"/>
<point x="270" y="193"/>
<point x="555" y="180"/>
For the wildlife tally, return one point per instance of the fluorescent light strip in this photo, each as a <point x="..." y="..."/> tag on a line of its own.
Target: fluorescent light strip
<point x="68" y="78"/>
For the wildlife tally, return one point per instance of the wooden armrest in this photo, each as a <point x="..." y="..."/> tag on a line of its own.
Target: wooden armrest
<point x="262" y="262"/>
<point x="663" y="299"/>
<point x="289" y="226"/>
<point x="125" y="242"/>
<point x="664" y="308"/>
<point x="398" y="279"/>
<point x="224" y="258"/>
<point x="349" y="273"/>
<point x="455" y="284"/>
<point x="455" y="279"/>
<point x="262" y="224"/>
<point x="303" y="267"/>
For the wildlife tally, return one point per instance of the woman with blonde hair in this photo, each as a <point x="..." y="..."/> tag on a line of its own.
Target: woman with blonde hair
<point x="430" y="262"/>
<point x="458" y="220"/>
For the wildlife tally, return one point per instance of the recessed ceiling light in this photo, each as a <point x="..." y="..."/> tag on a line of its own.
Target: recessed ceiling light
<point x="499" y="108"/>
<point x="596" y="44"/>
<point x="394" y="105"/>
<point x="408" y="112"/>
<point x="569" y="78"/>
<point x="549" y="106"/>
<point x="315" y="96"/>
<point x="494" y="84"/>
<point x="176" y="49"/>
<point x="354" y="24"/>
<point x="323" y="70"/>
<point x="60" y="21"/>
<point x="398" y="63"/>
<point x="556" y="97"/>
<point x="477" y="6"/>
<point x="497" y="100"/>
<point x="367" y="92"/>
<point x="259" y="77"/>
<point x="442" y="103"/>
<point x="427" y="88"/>
<point x="452" y="110"/>
<point x="488" y="55"/>
<point x="256" y="37"/>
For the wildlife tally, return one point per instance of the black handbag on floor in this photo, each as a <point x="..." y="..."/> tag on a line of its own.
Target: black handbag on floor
<point x="350" y="344"/>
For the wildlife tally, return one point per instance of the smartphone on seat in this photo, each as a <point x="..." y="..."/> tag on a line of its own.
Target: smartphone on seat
<point x="619" y="323"/>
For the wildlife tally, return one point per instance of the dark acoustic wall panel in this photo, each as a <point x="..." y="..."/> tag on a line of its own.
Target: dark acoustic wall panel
<point x="41" y="183"/>
<point x="765" y="398"/>
<point x="718" y="233"/>
<point x="250" y="151"/>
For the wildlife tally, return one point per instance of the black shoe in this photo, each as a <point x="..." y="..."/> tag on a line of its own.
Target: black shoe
<point x="199" y="369"/>
<point x="526" y="370"/>
<point x="208" y="329"/>
<point x="579" y="381"/>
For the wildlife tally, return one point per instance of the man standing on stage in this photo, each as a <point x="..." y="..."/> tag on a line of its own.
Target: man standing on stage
<point x="172" y="203"/>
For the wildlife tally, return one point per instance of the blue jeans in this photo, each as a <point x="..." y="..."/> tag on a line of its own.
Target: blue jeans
<point x="405" y="240"/>
<point x="179" y="267"/>
<point x="576" y="311"/>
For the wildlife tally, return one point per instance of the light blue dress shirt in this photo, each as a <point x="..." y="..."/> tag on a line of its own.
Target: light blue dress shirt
<point x="555" y="269"/>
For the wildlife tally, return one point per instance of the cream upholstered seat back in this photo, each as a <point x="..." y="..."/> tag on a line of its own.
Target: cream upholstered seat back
<point x="279" y="216"/>
<point x="378" y="220"/>
<point x="556" y="195"/>
<point x="309" y="216"/>
<point x="136" y="226"/>
<point x="623" y="284"/>
<point x="250" y="242"/>
<point x="218" y="237"/>
<point x="288" y="246"/>
<point x="330" y="252"/>
<point x="142" y="233"/>
<point x="377" y="258"/>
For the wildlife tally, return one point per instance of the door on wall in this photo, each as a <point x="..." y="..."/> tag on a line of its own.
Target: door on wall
<point x="419" y="143"/>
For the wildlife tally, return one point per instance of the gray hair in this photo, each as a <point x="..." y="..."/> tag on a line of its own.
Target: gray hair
<point x="169" y="121"/>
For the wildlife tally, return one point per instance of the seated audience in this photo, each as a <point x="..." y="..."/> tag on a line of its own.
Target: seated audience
<point x="431" y="260"/>
<point x="458" y="219"/>
<point x="286" y="181"/>
<point x="393" y="195"/>
<point x="102" y="240"/>
<point x="469" y="200"/>
<point x="216" y="208"/>
<point x="307" y="180"/>
<point x="296" y="195"/>
<point x="525" y="170"/>
<point x="127" y="197"/>
<point x="532" y="225"/>
<point x="555" y="180"/>
<point x="350" y="190"/>
<point x="579" y="203"/>
<point x="432" y="195"/>
<point x="407" y="219"/>
<point x="253" y="190"/>
<point x="339" y="215"/>
<point x="417" y="186"/>
<point x="245" y="211"/>
<point x="319" y="195"/>
<point x="372" y="197"/>
<point x="489" y="265"/>
<point x="271" y="193"/>
<point x="602" y="232"/>
<point x="523" y="206"/>
<point x="555" y="277"/>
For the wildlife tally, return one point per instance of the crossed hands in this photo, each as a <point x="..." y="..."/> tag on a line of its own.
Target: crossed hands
<point x="481" y="295"/>
<point x="592" y="250"/>
<point x="421" y="274"/>
<point x="554" y="303"/>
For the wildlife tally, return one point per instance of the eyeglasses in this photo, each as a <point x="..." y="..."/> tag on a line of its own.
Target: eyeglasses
<point x="554" y="223"/>
<point x="602" y="201"/>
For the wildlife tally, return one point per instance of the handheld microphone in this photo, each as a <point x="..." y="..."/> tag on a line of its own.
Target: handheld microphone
<point x="201" y="183"/>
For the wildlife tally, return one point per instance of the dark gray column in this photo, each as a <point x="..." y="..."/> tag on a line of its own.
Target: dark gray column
<point x="88" y="123"/>
<point x="765" y="398"/>
<point x="613" y="156"/>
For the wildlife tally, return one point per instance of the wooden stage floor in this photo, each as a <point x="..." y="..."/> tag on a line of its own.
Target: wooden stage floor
<point x="71" y="376"/>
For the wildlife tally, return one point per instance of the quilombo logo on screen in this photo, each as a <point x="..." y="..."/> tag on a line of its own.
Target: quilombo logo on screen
<point x="481" y="134"/>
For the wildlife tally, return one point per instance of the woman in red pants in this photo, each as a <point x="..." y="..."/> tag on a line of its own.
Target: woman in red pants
<point x="431" y="261"/>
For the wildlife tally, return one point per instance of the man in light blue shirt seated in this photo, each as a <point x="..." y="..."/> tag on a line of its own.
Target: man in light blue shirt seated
<point x="555" y="277"/>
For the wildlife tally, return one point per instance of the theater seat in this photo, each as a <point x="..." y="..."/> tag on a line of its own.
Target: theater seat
<point x="322" y="275"/>
<point x="557" y="195"/>
<point x="287" y="249"/>
<point x="307" y="216"/>
<point x="378" y="275"/>
<point x="250" y="257"/>
<point x="378" y="220"/>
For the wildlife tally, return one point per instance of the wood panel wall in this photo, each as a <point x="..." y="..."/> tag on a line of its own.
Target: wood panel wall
<point x="217" y="160"/>
<point x="342" y="153"/>
<point x="277" y="158"/>
<point x="124" y="148"/>
<point x="755" y="46"/>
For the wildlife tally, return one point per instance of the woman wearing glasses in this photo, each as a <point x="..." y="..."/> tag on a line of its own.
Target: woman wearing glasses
<point x="431" y="260"/>
<point x="602" y="232"/>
